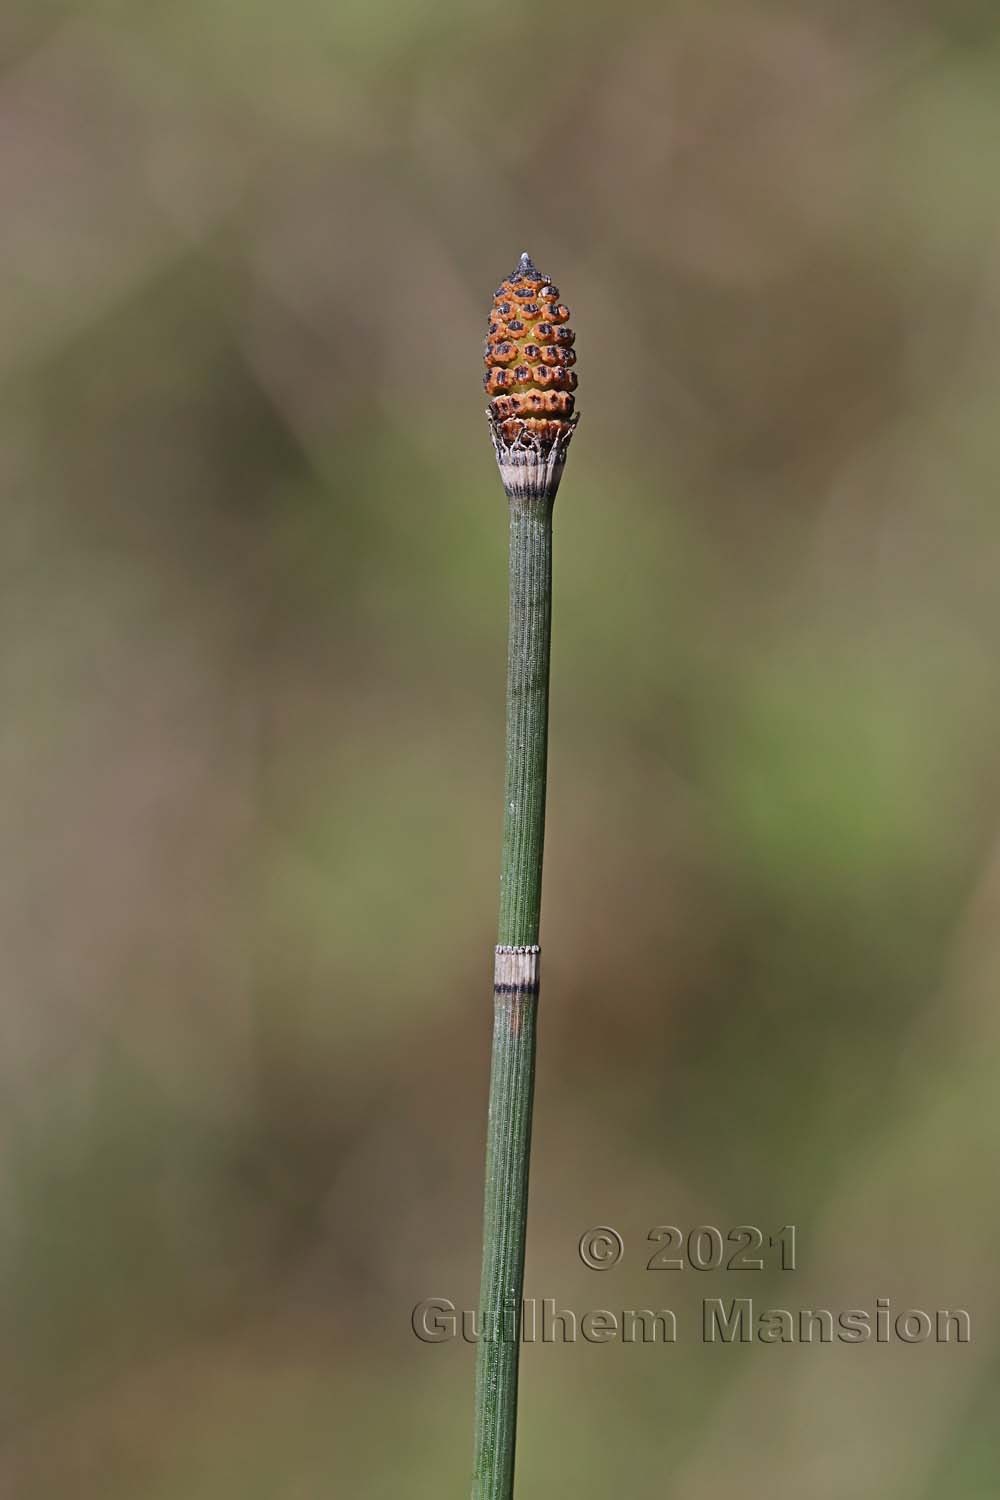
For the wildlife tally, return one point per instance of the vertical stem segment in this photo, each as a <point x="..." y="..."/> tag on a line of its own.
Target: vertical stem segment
<point x="515" y="1000"/>
<point x="529" y="633"/>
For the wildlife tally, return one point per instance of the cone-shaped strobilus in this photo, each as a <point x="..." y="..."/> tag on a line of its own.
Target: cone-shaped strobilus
<point x="530" y="380"/>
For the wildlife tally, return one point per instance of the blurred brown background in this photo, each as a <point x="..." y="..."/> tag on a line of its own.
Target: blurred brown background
<point x="252" y="653"/>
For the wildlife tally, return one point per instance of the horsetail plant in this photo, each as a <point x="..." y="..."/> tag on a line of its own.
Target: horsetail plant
<point x="529" y="354"/>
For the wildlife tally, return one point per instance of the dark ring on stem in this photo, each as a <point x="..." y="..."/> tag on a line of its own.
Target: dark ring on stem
<point x="516" y="970"/>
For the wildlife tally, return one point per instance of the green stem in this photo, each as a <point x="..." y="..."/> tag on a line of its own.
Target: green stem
<point x="529" y="632"/>
<point x="512" y="1074"/>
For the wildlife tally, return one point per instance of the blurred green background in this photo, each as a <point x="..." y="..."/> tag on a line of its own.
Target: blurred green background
<point x="252" y="654"/>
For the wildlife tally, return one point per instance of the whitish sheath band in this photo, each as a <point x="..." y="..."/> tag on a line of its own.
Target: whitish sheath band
<point x="531" y="466"/>
<point x="516" y="971"/>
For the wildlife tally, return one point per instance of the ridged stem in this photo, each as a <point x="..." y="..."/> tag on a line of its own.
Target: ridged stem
<point x="529" y="634"/>
<point x="515" y="1003"/>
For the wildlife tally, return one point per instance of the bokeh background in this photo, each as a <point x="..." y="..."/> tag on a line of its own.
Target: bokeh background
<point x="252" y="655"/>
